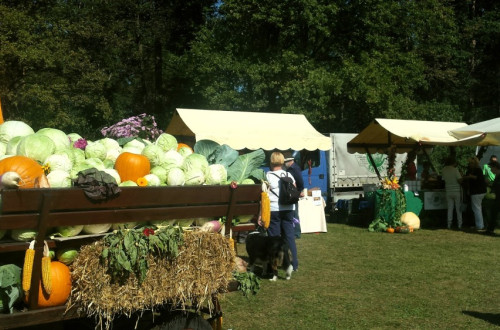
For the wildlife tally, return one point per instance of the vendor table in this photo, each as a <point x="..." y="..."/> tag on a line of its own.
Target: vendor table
<point x="312" y="215"/>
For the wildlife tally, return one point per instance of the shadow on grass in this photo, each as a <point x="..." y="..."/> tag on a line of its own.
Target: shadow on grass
<point x="488" y="317"/>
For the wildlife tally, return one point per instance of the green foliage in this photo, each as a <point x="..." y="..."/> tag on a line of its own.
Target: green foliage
<point x="126" y="250"/>
<point x="248" y="283"/>
<point x="10" y="287"/>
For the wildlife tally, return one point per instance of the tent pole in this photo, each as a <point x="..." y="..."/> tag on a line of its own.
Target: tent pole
<point x="430" y="162"/>
<point x="373" y="163"/>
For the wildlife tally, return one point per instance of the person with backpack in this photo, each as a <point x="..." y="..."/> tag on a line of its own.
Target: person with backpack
<point x="296" y="172"/>
<point x="282" y="198"/>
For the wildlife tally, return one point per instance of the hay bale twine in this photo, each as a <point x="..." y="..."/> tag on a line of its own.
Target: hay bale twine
<point x="202" y="269"/>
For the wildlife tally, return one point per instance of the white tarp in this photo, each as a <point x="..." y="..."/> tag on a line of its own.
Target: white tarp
<point x="489" y="129"/>
<point x="407" y="134"/>
<point x="249" y="130"/>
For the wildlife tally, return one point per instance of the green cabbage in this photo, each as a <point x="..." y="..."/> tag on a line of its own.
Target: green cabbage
<point x="216" y="174"/>
<point x="155" y="154"/>
<point x="13" y="128"/>
<point x="175" y="177"/>
<point x="57" y="136"/>
<point x="36" y="146"/>
<point x="184" y="151"/>
<point x="153" y="180"/>
<point x="3" y="148"/>
<point x="66" y="255"/>
<point x="194" y="176"/>
<point x="95" y="150"/>
<point x="78" y="155"/>
<point x="128" y="183"/>
<point x="60" y="162"/>
<point x="109" y="144"/>
<point x="68" y="231"/>
<point x="172" y="159"/>
<point x="160" y="172"/>
<point x="166" y="142"/>
<point x="134" y="146"/>
<point x="23" y="235"/>
<point x="195" y="161"/>
<point x="96" y="229"/>
<point x="73" y="137"/>
<point x="10" y="287"/>
<point x="124" y="225"/>
<point x="86" y="164"/>
<point x="59" y="179"/>
<point x="2" y="233"/>
<point x="114" y="174"/>
<point x="108" y="163"/>
<point x="12" y="145"/>
<point x="112" y="154"/>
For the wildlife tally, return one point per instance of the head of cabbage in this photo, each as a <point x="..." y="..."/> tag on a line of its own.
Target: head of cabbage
<point x="59" y="138"/>
<point x="175" y="177"/>
<point x="67" y="255"/>
<point x="36" y="146"/>
<point x="13" y="128"/>
<point x="166" y="142"/>
<point x="216" y="174"/>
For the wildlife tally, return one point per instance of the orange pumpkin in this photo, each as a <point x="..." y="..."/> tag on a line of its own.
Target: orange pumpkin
<point x="390" y="230"/>
<point x="132" y="166"/>
<point x="183" y="145"/>
<point x="28" y="169"/>
<point x="61" y="286"/>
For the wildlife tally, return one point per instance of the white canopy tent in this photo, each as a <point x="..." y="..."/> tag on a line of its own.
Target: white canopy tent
<point x="489" y="129"/>
<point x="248" y="130"/>
<point x="408" y="134"/>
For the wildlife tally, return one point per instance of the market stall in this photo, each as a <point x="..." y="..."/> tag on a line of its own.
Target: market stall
<point x="393" y="136"/>
<point x="256" y="130"/>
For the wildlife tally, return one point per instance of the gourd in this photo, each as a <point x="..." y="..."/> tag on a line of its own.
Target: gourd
<point x="28" y="169"/>
<point x="390" y="230"/>
<point x="132" y="166"/>
<point x="61" y="286"/>
<point x="410" y="219"/>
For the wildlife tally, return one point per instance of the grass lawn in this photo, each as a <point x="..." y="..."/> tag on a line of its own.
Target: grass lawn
<point x="350" y="278"/>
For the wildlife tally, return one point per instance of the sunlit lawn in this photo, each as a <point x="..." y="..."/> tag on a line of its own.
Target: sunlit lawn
<point x="350" y="278"/>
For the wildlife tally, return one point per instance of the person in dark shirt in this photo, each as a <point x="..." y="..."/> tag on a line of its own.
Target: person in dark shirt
<point x="495" y="206"/>
<point x="296" y="172"/>
<point x="477" y="190"/>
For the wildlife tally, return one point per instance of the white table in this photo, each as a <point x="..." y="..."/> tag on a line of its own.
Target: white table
<point x="312" y="216"/>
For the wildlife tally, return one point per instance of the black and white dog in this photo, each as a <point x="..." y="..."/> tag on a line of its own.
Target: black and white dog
<point x="269" y="250"/>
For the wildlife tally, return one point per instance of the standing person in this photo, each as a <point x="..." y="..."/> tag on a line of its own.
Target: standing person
<point x="411" y="169"/>
<point x="487" y="172"/>
<point x="477" y="190"/>
<point x="281" y="215"/>
<point x="495" y="206"/>
<point x="296" y="172"/>
<point x="452" y="180"/>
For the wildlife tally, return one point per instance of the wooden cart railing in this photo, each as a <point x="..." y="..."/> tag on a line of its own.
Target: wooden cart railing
<point x="42" y="209"/>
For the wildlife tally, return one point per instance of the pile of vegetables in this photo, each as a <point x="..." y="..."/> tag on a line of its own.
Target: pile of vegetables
<point x="52" y="158"/>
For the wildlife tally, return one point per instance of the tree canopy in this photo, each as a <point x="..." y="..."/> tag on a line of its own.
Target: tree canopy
<point x="80" y="65"/>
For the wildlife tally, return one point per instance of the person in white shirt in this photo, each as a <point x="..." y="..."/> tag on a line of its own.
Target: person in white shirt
<point x="281" y="215"/>
<point x="452" y="181"/>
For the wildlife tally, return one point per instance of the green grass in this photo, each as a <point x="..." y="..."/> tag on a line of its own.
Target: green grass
<point x="350" y="278"/>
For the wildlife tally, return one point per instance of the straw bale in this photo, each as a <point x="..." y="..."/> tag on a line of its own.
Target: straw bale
<point x="202" y="269"/>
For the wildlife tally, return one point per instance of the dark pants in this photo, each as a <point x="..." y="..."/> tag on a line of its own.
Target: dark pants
<point x="282" y="225"/>
<point x="492" y="219"/>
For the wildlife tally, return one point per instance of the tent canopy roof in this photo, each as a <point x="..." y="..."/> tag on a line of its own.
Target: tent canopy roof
<point x="249" y="130"/>
<point x="407" y="134"/>
<point x="489" y="128"/>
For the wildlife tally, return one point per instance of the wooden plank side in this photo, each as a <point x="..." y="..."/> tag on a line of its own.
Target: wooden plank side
<point x="28" y="200"/>
<point x="36" y="317"/>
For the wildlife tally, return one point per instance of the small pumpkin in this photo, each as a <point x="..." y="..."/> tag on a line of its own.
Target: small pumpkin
<point x="61" y="286"/>
<point x="132" y="166"/>
<point x="390" y="230"/>
<point x="28" y="169"/>
<point x="183" y="145"/>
